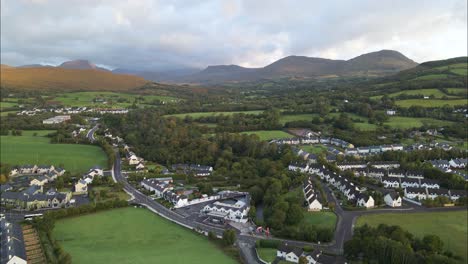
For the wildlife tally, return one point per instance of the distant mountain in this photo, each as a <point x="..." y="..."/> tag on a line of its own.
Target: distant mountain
<point x="159" y="76"/>
<point x="80" y="65"/>
<point x="63" y="79"/>
<point x="34" y="66"/>
<point x="378" y="63"/>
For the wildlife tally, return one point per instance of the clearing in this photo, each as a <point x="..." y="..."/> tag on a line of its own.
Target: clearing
<point x="37" y="149"/>
<point x="449" y="226"/>
<point x="133" y="235"/>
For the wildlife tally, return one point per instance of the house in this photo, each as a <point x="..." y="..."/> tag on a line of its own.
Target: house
<point x="458" y="163"/>
<point x="415" y="174"/>
<point x="397" y="147"/>
<point x="441" y="164"/>
<point x="391" y="112"/>
<point x="351" y="151"/>
<point x="434" y="193"/>
<point x="392" y="199"/>
<point x="416" y="193"/>
<point x="430" y="184"/>
<point x="156" y="186"/>
<point x="312" y="198"/>
<point x="351" y="165"/>
<point x="43" y="169"/>
<point x="457" y="194"/>
<point x="385" y="164"/>
<point x="376" y="173"/>
<point x="81" y="187"/>
<point x="296" y="166"/>
<point x="59" y="171"/>
<point x="27" y="169"/>
<point x="40" y="181"/>
<point x="96" y="171"/>
<point x="396" y="173"/>
<point x="364" y="200"/>
<point x="289" y="253"/>
<point x="363" y="150"/>
<point x="409" y="182"/>
<point x="12" y="243"/>
<point x="390" y="182"/>
<point x="140" y="166"/>
<point x="14" y="171"/>
<point x="5" y="187"/>
<point x="56" y="119"/>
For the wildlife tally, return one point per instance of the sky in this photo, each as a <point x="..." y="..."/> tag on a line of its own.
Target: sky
<point x="173" y="34"/>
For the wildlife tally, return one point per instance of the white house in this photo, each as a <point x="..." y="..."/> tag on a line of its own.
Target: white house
<point x="392" y="199"/>
<point x="234" y="208"/>
<point x="416" y="193"/>
<point x="302" y="167"/>
<point x="391" y="112"/>
<point x="288" y="253"/>
<point x="81" y="187"/>
<point x="140" y="166"/>
<point x="364" y="200"/>
<point x="390" y="182"/>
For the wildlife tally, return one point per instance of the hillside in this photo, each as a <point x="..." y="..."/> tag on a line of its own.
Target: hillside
<point x="61" y="79"/>
<point x="80" y="65"/>
<point x="378" y="63"/>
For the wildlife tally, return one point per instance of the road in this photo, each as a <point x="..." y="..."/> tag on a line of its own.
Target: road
<point x="90" y="134"/>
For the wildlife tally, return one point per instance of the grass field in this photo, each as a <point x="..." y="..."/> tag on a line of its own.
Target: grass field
<point x="430" y="102"/>
<point x="203" y="114"/>
<point x="267" y="254"/>
<point x="414" y="122"/>
<point x="460" y="71"/>
<point x="113" y="99"/>
<point x="314" y="149"/>
<point x="299" y="117"/>
<point x="320" y="219"/>
<point x="269" y="134"/>
<point x="133" y="235"/>
<point x="7" y="104"/>
<point x="451" y="227"/>
<point x="30" y="149"/>
<point x="457" y="90"/>
<point x="430" y="77"/>
<point x="427" y="92"/>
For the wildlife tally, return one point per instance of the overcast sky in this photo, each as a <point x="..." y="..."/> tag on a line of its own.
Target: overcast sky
<point x="150" y="34"/>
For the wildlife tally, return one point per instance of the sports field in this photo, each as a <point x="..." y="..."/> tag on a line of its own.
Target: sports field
<point x="451" y="227"/>
<point x="203" y="114"/>
<point x="269" y="134"/>
<point x="30" y="149"/>
<point x="133" y="235"/>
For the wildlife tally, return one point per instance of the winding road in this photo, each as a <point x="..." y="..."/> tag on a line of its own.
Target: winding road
<point x="90" y="134"/>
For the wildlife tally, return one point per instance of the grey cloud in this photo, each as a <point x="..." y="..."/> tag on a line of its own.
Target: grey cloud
<point x="145" y="34"/>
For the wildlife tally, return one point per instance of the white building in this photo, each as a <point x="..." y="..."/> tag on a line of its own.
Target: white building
<point x="392" y="199"/>
<point x="56" y="119"/>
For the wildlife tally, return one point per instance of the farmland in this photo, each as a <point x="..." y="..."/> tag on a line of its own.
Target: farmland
<point x="204" y="114"/>
<point x="430" y="102"/>
<point x="299" y="117"/>
<point x="430" y="77"/>
<point x="269" y="134"/>
<point x="141" y="236"/>
<point x="436" y="93"/>
<point x="37" y="149"/>
<point x="111" y="99"/>
<point x="449" y="226"/>
<point x="414" y="122"/>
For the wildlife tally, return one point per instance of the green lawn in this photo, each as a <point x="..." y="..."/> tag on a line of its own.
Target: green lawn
<point x="414" y="122"/>
<point x="451" y="227"/>
<point x="320" y="219"/>
<point x="133" y="235"/>
<point x="203" y="114"/>
<point x="269" y="134"/>
<point x="267" y="254"/>
<point x="29" y="149"/>
<point x="430" y="102"/>
<point x="113" y="99"/>
<point x="314" y="149"/>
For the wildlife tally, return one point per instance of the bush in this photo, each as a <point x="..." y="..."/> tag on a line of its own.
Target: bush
<point x="264" y="243"/>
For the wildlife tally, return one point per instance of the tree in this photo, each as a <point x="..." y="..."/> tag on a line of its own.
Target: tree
<point x="295" y="214"/>
<point x="433" y="243"/>
<point x="303" y="260"/>
<point x="229" y="237"/>
<point x="60" y="183"/>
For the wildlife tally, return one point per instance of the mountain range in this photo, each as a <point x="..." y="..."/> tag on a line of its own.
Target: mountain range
<point x="378" y="63"/>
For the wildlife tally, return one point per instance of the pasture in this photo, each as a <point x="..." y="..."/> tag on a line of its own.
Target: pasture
<point x="402" y="122"/>
<point x="133" y="235"/>
<point x="204" y="114"/>
<point x="449" y="226"/>
<point x="430" y="102"/>
<point x="34" y="148"/>
<point x="429" y="77"/>
<point x="426" y="92"/>
<point x="108" y="99"/>
<point x="299" y="117"/>
<point x="269" y="134"/>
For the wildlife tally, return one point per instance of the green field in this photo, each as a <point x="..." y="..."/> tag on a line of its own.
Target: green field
<point x="401" y="122"/>
<point x="7" y="104"/>
<point x="430" y="77"/>
<point x="204" y="114"/>
<point x="299" y="117"/>
<point x="451" y="227"/>
<point x="133" y="235"/>
<point x="460" y="71"/>
<point x="320" y="219"/>
<point x="267" y="254"/>
<point x="430" y="102"/>
<point x="269" y="134"/>
<point x="426" y="92"/>
<point x="314" y="149"/>
<point x="457" y="90"/>
<point x="30" y="149"/>
<point x="113" y="99"/>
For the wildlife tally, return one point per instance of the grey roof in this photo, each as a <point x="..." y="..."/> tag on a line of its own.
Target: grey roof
<point x="16" y="245"/>
<point x="5" y="187"/>
<point x="286" y="248"/>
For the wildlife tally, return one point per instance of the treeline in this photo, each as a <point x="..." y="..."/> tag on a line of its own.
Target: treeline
<point x="391" y="244"/>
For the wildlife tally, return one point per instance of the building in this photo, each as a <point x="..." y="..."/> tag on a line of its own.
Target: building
<point x="351" y="165"/>
<point x="416" y="193"/>
<point x="385" y="164"/>
<point x="391" y="112"/>
<point x="364" y="200"/>
<point x="289" y="253"/>
<point x="156" y="186"/>
<point x="12" y="244"/>
<point x="312" y="197"/>
<point x="392" y="199"/>
<point x="195" y="169"/>
<point x="233" y="208"/>
<point x="298" y="166"/>
<point x="33" y="198"/>
<point x="81" y="187"/>
<point x="56" y="119"/>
